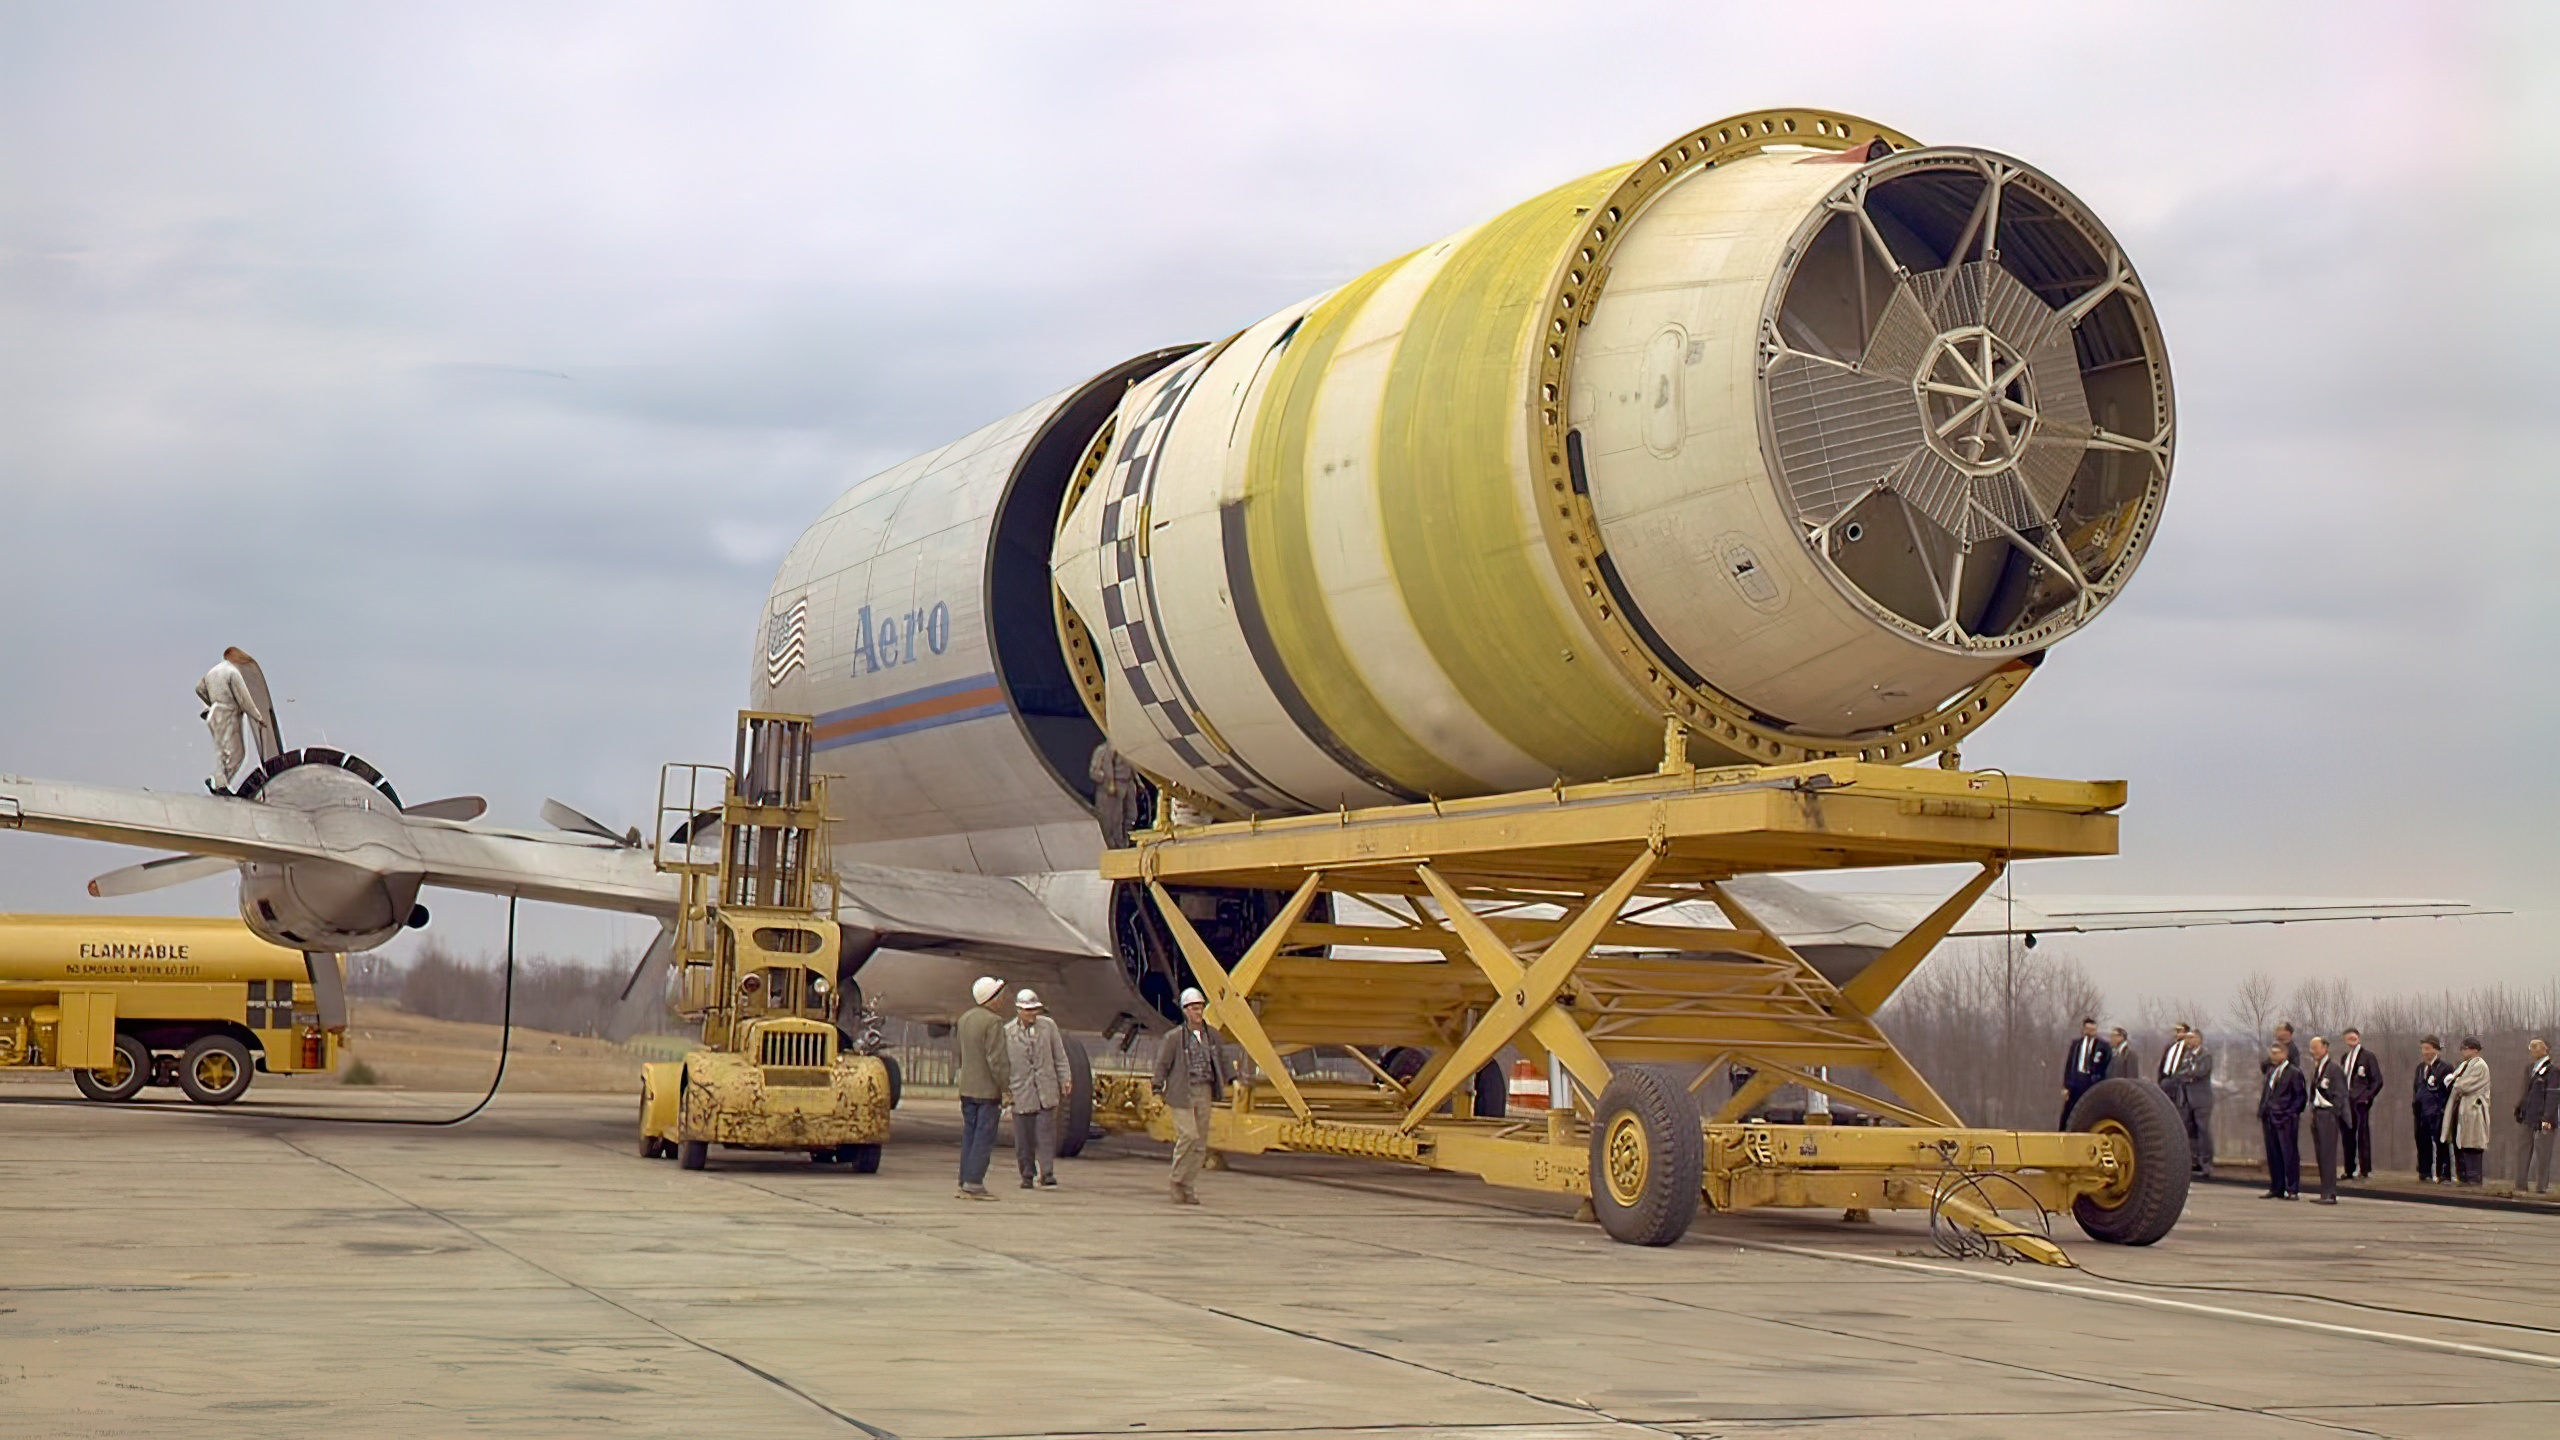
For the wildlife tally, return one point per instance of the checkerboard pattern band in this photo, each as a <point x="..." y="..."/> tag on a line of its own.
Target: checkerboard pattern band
<point x="1128" y="610"/>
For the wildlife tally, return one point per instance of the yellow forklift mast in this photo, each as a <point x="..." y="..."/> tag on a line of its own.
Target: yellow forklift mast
<point x="757" y="949"/>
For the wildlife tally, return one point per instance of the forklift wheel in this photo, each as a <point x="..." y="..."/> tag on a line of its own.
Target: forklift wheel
<point x="865" y="1159"/>
<point x="121" y="1081"/>
<point x="693" y="1154"/>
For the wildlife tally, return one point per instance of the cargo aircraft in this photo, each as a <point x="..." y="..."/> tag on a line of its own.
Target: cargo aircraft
<point x="1801" y="436"/>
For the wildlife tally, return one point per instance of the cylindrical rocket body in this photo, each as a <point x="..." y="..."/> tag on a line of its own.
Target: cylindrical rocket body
<point x="1794" y="433"/>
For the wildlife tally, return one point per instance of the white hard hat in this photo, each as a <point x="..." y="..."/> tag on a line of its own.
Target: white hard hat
<point x="985" y="989"/>
<point x="1192" y="996"/>
<point x="1026" y="998"/>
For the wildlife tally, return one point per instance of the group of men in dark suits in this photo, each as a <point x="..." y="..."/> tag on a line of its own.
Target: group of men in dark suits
<point x="2336" y="1089"/>
<point x="2185" y="1076"/>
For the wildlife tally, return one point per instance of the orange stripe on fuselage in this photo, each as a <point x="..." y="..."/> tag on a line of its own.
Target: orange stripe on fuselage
<point x="920" y="710"/>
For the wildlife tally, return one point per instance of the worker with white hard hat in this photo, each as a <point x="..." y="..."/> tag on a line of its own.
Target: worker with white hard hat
<point x="1043" y="1078"/>
<point x="985" y="1077"/>
<point x="1191" y="1075"/>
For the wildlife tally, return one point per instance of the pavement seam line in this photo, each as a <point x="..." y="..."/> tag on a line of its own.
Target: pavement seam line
<point x="2195" y="1307"/>
<point x="671" y="1332"/>
<point x="1575" y="1407"/>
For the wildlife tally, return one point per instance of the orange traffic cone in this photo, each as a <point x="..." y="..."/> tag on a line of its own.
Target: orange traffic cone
<point x="1528" y="1087"/>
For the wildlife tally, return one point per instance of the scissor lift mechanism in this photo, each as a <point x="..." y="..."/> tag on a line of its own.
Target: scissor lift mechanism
<point x="1541" y="922"/>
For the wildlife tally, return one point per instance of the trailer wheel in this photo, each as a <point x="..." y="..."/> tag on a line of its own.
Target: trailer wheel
<point x="1648" y="1157"/>
<point x="2145" y="1202"/>
<point x="865" y="1159"/>
<point x="1075" y="1122"/>
<point x="215" y="1070"/>
<point x="693" y="1154"/>
<point x="121" y="1080"/>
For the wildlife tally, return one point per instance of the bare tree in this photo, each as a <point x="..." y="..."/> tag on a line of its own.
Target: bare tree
<point x="2252" y="1002"/>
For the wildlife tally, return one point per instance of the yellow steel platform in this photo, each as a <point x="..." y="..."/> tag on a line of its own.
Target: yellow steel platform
<point x="1588" y="928"/>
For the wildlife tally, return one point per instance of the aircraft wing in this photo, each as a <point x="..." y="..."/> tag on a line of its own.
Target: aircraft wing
<point x="919" y="910"/>
<point x="1808" y="916"/>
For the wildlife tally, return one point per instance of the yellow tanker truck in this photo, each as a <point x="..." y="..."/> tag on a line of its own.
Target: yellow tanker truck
<point x="201" y="1004"/>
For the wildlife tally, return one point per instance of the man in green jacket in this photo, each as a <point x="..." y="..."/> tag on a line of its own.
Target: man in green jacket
<point x="985" y="1075"/>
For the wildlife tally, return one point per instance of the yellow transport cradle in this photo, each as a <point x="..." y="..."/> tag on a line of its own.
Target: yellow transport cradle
<point x="1543" y="922"/>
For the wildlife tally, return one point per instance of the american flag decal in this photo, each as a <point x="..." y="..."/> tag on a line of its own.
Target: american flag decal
<point x="786" y="642"/>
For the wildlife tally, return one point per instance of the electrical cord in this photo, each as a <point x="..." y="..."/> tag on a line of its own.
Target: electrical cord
<point x="506" y="1037"/>
<point x="1959" y="1241"/>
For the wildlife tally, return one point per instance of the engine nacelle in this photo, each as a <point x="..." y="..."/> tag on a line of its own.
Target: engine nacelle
<point x="321" y="905"/>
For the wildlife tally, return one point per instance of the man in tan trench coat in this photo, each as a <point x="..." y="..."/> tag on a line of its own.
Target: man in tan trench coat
<point x="2466" y="1114"/>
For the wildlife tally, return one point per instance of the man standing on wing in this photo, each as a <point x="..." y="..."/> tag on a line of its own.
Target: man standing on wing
<point x="984" y="1079"/>
<point x="1191" y="1075"/>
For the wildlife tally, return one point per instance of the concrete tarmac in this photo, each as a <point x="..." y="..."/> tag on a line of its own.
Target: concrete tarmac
<point x="167" y="1270"/>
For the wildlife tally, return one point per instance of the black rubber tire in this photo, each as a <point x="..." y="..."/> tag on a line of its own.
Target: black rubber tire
<point x="865" y="1159"/>
<point x="1653" y="1116"/>
<point x="693" y="1154"/>
<point x="203" y="1053"/>
<point x="1075" y="1119"/>
<point x="137" y="1073"/>
<point x="1493" y="1091"/>
<point x="2157" y="1193"/>
<point x="1404" y="1062"/>
<point x="897" y="1078"/>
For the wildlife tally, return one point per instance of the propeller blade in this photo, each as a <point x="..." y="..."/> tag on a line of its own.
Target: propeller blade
<point x="644" y="996"/>
<point x="695" y="830"/>
<point x="561" y="817"/>
<point x="153" y="874"/>
<point x="457" y="807"/>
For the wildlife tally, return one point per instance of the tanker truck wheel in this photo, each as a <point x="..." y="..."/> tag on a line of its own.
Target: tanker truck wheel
<point x="1648" y="1157"/>
<point x="865" y="1159"/>
<point x="215" y="1070"/>
<point x="693" y="1154"/>
<point x="2145" y="1202"/>
<point x="121" y="1080"/>
<point x="1075" y="1121"/>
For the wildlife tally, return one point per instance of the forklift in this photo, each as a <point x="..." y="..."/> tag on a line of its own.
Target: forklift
<point x="756" y="955"/>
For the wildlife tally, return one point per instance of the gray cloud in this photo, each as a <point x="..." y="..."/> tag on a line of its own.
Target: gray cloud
<point x="472" y="364"/>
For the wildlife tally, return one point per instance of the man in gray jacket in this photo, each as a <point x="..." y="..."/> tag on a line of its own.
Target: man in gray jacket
<point x="1191" y="1075"/>
<point x="1043" y="1078"/>
<point x="984" y="1078"/>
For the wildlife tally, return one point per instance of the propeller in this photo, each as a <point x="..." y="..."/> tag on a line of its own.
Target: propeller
<point x="644" y="995"/>
<point x="696" y="830"/>
<point x="154" y="874"/>
<point x="561" y="817"/>
<point x="456" y="807"/>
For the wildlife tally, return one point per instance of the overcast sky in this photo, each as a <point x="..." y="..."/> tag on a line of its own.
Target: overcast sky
<point x="473" y="366"/>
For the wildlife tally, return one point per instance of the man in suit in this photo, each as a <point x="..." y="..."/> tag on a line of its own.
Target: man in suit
<point x="2280" y="1101"/>
<point x="2120" y="1057"/>
<point x="2364" y="1082"/>
<point x="2186" y="1077"/>
<point x="2536" y="1111"/>
<point x="2427" y="1092"/>
<point x="2083" y="1065"/>
<point x="2284" y="1042"/>
<point x="2327" y="1085"/>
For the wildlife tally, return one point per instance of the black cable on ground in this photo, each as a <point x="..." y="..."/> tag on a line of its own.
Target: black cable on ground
<point x="506" y="1039"/>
